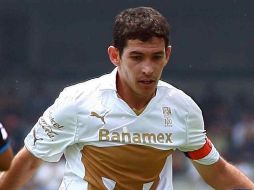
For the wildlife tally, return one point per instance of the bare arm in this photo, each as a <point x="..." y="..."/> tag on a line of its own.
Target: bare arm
<point x="223" y="176"/>
<point x="22" y="169"/>
<point x="5" y="159"/>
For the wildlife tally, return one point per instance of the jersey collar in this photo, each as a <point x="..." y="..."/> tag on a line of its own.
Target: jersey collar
<point x="109" y="81"/>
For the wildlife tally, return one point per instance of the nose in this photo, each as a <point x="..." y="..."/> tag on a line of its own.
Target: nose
<point x="147" y="68"/>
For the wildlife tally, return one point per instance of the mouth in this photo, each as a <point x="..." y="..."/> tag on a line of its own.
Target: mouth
<point x="147" y="82"/>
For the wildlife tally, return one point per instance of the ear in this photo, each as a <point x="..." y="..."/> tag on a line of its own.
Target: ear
<point x="168" y="53"/>
<point x="114" y="55"/>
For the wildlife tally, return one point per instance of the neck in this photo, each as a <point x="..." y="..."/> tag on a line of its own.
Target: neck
<point x="137" y="103"/>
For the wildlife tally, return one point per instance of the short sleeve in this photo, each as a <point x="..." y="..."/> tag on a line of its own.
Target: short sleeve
<point x="198" y="147"/>
<point x="4" y="140"/>
<point x="55" y="129"/>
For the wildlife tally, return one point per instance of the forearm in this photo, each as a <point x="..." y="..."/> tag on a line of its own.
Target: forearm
<point x="224" y="176"/>
<point x="22" y="169"/>
<point x="232" y="178"/>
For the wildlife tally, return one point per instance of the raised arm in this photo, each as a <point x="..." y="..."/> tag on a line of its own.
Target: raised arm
<point x="22" y="169"/>
<point x="223" y="176"/>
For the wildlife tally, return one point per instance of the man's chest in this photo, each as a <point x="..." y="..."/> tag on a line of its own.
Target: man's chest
<point x="161" y="124"/>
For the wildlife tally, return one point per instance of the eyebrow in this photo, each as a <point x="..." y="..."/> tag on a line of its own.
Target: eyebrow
<point x="140" y="53"/>
<point x="135" y="52"/>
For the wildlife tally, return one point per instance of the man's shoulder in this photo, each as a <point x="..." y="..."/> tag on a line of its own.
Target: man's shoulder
<point x="175" y="93"/>
<point x="171" y="90"/>
<point x="86" y="88"/>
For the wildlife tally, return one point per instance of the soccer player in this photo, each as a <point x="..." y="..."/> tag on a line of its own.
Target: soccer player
<point x="6" y="153"/>
<point x="119" y="131"/>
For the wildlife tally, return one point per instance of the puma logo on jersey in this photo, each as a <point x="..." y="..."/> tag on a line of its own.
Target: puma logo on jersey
<point x="102" y="117"/>
<point x="35" y="138"/>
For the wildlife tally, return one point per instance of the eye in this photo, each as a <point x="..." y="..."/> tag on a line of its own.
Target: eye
<point x="157" y="57"/>
<point x="136" y="57"/>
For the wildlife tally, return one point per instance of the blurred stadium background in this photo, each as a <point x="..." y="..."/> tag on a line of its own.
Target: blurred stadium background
<point x="46" y="45"/>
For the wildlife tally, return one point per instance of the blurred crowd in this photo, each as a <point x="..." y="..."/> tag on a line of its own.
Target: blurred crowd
<point x="229" y="122"/>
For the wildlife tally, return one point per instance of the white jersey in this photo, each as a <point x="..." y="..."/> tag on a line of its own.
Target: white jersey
<point x="108" y="147"/>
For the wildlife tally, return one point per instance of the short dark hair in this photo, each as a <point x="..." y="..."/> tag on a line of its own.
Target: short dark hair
<point x="141" y="23"/>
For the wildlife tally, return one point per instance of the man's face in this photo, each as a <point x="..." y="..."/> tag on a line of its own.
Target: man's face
<point x="140" y="66"/>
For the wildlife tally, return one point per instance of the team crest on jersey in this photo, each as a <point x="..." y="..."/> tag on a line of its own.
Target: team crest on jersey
<point x="167" y="116"/>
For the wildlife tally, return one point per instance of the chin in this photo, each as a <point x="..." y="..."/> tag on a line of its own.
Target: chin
<point x="148" y="92"/>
